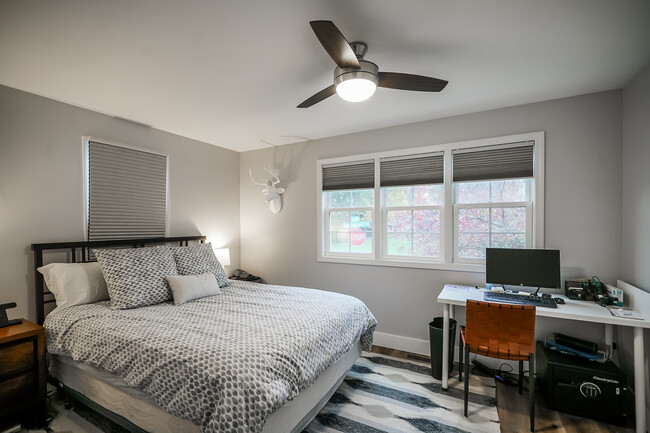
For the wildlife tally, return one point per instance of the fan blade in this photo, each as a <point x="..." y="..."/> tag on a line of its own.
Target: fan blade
<point x="420" y="83"/>
<point x="335" y="44"/>
<point x="323" y="94"/>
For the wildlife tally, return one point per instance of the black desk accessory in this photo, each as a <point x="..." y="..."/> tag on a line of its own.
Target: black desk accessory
<point x="4" y="320"/>
<point x="576" y="343"/>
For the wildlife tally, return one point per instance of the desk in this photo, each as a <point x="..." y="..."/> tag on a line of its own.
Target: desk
<point x="573" y="310"/>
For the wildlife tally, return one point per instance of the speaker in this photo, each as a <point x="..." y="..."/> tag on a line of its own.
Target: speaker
<point x="581" y="387"/>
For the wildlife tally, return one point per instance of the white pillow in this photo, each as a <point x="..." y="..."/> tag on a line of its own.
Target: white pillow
<point x="188" y="287"/>
<point x="75" y="283"/>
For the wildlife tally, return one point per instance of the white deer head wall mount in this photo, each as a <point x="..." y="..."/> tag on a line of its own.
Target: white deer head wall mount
<point x="271" y="190"/>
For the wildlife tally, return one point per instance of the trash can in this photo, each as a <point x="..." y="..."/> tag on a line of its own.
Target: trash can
<point x="435" y="342"/>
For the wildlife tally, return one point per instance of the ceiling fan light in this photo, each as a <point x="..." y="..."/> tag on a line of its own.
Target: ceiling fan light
<point x="356" y="89"/>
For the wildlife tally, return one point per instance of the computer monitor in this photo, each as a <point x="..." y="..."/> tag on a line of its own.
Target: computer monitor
<point x="523" y="267"/>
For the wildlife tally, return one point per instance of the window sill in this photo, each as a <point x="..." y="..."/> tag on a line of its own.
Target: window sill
<point x="458" y="267"/>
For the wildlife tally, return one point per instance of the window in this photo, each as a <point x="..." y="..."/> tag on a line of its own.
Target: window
<point x="492" y="205"/>
<point x="433" y="207"/>
<point x="495" y="214"/>
<point x="412" y="195"/>
<point x="349" y="219"/>
<point x="349" y="203"/>
<point x="126" y="192"/>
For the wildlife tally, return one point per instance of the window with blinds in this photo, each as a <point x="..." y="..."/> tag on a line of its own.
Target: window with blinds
<point x="436" y="206"/>
<point x="126" y="192"/>
<point x="492" y="199"/>
<point x="348" y="195"/>
<point x="412" y="193"/>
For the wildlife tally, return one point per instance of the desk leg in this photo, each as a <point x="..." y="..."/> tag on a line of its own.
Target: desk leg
<point x="445" y="346"/>
<point x="639" y="381"/>
<point x="609" y="339"/>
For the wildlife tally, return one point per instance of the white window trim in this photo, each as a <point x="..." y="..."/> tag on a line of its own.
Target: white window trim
<point x="537" y="197"/>
<point x="85" y="143"/>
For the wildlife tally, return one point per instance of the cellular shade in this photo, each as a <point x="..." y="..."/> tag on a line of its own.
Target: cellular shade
<point x="127" y="193"/>
<point x="509" y="162"/>
<point x="357" y="175"/>
<point x="412" y="170"/>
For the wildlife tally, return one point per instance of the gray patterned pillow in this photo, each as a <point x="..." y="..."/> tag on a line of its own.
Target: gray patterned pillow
<point x="199" y="259"/>
<point x="136" y="277"/>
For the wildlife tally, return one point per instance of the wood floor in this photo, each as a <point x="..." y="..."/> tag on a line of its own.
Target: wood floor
<point x="513" y="408"/>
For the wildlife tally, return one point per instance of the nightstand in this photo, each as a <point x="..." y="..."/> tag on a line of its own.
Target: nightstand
<point x="22" y="371"/>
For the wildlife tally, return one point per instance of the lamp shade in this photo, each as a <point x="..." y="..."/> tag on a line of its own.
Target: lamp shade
<point x="356" y="84"/>
<point x="356" y="89"/>
<point x="223" y="255"/>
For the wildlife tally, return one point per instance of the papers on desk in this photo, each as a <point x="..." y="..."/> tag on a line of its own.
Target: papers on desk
<point x="625" y="313"/>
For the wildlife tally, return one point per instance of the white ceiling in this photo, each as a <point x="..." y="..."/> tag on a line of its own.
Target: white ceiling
<point x="231" y="72"/>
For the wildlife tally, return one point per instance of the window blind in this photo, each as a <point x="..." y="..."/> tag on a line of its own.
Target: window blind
<point x="418" y="170"/>
<point x="127" y="193"/>
<point x="500" y="162"/>
<point x="357" y="175"/>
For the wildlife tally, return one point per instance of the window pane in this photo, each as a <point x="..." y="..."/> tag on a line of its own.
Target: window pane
<point x="398" y="196"/>
<point x="399" y="221"/>
<point x="508" y="240"/>
<point x="360" y="241"/>
<point x="474" y="220"/>
<point x="399" y="244"/>
<point x="496" y="191"/>
<point x="428" y="195"/>
<point x="426" y="221"/>
<point x="509" y="190"/>
<point x="472" y="192"/>
<point x="472" y="246"/>
<point x="426" y="245"/>
<point x="340" y="198"/>
<point x="363" y="198"/>
<point x="339" y="242"/>
<point x="339" y="221"/>
<point x="361" y="220"/>
<point x="511" y="220"/>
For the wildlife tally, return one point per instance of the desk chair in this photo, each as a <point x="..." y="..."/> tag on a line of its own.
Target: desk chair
<point x="503" y="331"/>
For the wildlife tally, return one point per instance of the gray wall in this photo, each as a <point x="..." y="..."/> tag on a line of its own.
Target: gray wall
<point x="635" y="251"/>
<point x="635" y="240"/>
<point x="583" y="207"/>
<point x="41" y="193"/>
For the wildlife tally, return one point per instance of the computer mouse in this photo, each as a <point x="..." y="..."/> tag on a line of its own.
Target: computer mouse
<point x="558" y="300"/>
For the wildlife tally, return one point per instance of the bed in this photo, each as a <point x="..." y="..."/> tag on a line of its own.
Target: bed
<point x="252" y="358"/>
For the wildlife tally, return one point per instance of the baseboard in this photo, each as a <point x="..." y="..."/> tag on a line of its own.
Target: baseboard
<point x="398" y="342"/>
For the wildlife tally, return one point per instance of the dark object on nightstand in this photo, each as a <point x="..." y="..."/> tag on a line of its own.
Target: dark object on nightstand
<point x="242" y="275"/>
<point x="581" y="387"/>
<point x="4" y="320"/>
<point x="22" y="371"/>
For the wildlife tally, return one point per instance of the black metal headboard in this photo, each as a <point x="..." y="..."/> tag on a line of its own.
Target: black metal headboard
<point x="80" y="253"/>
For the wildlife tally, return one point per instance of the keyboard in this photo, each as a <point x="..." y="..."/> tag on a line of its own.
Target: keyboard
<point x="511" y="298"/>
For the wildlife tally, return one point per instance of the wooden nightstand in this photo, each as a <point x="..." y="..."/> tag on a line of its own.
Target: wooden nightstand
<point x="22" y="371"/>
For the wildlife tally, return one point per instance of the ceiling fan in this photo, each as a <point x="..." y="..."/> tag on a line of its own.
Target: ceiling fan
<point x="356" y="79"/>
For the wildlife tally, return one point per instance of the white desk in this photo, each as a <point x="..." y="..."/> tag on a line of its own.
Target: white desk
<point x="573" y="310"/>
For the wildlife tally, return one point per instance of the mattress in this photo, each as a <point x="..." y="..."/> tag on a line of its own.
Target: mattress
<point x="113" y="394"/>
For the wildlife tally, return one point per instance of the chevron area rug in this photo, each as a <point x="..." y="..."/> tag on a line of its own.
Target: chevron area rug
<point x="381" y="394"/>
<point x="392" y="395"/>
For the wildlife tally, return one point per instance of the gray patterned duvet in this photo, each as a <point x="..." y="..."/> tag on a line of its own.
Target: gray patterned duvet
<point x="225" y="362"/>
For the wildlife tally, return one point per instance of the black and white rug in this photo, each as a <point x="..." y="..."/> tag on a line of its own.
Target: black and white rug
<point x="386" y="394"/>
<point x="381" y="394"/>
